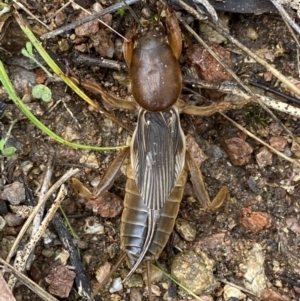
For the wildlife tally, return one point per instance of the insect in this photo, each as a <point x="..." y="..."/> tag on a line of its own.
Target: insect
<point x="159" y="161"/>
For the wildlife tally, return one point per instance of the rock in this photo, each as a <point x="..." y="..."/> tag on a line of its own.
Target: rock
<point x="87" y="29"/>
<point x="194" y="271"/>
<point x="60" y="281"/>
<point x="2" y="223"/>
<point x="135" y="295"/>
<point x="251" y="33"/>
<point x="93" y="227"/>
<point x="255" y="221"/>
<point x="63" y="256"/>
<point x="135" y="280"/>
<point x="186" y="231"/>
<point x="13" y="220"/>
<point x="270" y="294"/>
<point x="232" y="292"/>
<point x="238" y="150"/>
<point x="103" y="271"/>
<point x="195" y="150"/>
<point x="279" y="143"/>
<point x="292" y="223"/>
<point x="207" y="67"/>
<point x="107" y="205"/>
<point x="14" y="193"/>
<point x="275" y="129"/>
<point x="255" y="279"/>
<point x="116" y="285"/>
<point x="264" y="157"/>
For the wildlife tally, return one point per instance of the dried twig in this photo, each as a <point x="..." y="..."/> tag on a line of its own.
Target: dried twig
<point x="84" y="59"/>
<point x="85" y="10"/>
<point x="38" y="218"/>
<point x="105" y="11"/>
<point x="231" y="87"/>
<point x="210" y="9"/>
<point x="252" y="95"/>
<point x="31" y="14"/>
<point x="285" y="15"/>
<point x="22" y="256"/>
<point x="82" y="282"/>
<point x="63" y="179"/>
<point x="257" y="58"/>
<point x="239" y="287"/>
<point x="278" y="153"/>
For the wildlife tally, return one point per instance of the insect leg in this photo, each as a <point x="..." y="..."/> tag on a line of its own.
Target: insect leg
<point x="200" y="189"/>
<point x="108" y="178"/>
<point x="109" y="98"/>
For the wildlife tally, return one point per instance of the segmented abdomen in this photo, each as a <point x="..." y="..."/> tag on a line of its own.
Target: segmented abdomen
<point x="134" y="219"/>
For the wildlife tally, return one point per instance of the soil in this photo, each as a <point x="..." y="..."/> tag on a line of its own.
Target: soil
<point x="263" y="207"/>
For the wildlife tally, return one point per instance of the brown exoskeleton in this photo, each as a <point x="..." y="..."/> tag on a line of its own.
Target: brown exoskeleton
<point x="159" y="161"/>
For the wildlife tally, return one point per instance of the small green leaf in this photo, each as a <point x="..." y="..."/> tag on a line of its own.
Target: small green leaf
<point x="2" y="144"/>
<point x="121" y="11"/>
<point x="9" y="151"/>
<point x="42" y="92"/>
<point x="25" y="53"/>
<point x="29" y="48"/>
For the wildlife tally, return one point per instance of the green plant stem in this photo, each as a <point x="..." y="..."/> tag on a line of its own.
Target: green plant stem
<point x="18" y="102"/>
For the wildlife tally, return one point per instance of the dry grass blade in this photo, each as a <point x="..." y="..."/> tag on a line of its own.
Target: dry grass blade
<point x="258" y="59"/>
<point x="28" y="282"/>
<point x="68" y="27"/>
<point x="22" y="256"/>
<point x="231" y="87"/>
<point x="85" y="10"/>
<point x="239" y="287"/>
<point x="250" y="93"/>
<point x="285" y="15"/>
<point x="267" y="102"/>
<point x="63" y="179"/>
<point x="30" y="14"/>
<point x="45" y="186"/>
<point x="261" y="141"/>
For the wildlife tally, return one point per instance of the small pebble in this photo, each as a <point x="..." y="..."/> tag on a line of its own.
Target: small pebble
<point x="135" y="295"/>
<point x="48" y="252"/>
<point x="238" y="150"/>
<point x="116" y="285"/>
<point x="93" y="227"/>
<point x="135" y="280"/>
<point x="63" y="256"/>
<point x="186" y="231"/>
<point x="2" y="223"/>
<point x="232" y="292"/>
<point x="107" y="205"/>
<point x="103" y="271"/>
<point x="264" y="157"/>
<point x="14" y="193"/>
<point x="254" y="221"/>
<point x="252" y="33"/>
<point x="13" y="220"/>
<point x="60" y="280"/>
<point x="194" y="271"/>
<point x="255" y="278"/>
